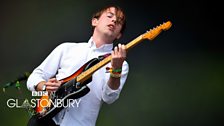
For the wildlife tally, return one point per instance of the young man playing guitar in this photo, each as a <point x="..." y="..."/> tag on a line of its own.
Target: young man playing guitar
<point x="108" y="25"/>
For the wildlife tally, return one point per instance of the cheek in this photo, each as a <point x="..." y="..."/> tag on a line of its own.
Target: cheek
<point x="118" y="29"/>
<point x="102" y="22"/>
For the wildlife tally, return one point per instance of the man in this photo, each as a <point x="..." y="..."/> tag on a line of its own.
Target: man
<point x="108" y="25"/>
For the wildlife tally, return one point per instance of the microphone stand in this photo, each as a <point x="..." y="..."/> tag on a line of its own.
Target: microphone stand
<point x="16" y="82"/>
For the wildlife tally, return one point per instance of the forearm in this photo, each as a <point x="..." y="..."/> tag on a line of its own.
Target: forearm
<point x="118" y="57"/>
<point x="114" y="83"/>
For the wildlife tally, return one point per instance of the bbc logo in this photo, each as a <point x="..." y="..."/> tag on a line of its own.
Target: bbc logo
<point x="39" y="93"/>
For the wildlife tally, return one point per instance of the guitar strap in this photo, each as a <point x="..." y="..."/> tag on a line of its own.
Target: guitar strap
<point x="101" y="57"/>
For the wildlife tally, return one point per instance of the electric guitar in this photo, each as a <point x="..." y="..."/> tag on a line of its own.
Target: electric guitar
<point x="75" y="86"/>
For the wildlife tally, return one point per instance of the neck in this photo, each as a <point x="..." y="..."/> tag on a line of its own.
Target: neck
<point x="101" y="40"/>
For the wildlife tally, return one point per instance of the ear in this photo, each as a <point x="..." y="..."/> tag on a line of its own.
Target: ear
<point x="94" y="22"/>
<point x="119" y="36"/>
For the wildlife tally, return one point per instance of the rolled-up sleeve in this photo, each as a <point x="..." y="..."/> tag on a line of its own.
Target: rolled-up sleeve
<point x="46" y="69"/>
<point x="109" y="95"/>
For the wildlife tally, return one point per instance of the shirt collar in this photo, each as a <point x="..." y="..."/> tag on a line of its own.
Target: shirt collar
<point x="106" y="47"/>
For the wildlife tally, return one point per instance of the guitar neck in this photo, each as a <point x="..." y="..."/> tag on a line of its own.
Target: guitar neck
<point x="133" y="42"/>
<point x="88" y="73"/>
<point x="148" y="35"/>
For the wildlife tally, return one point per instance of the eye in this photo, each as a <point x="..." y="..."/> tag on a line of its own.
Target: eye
<point x="110" y="15"/>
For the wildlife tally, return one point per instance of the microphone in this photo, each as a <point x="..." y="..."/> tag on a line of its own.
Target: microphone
<point x="22" y="77"/>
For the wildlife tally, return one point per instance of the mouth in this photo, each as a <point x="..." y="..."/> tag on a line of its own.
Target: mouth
<point x="111" y="27"/>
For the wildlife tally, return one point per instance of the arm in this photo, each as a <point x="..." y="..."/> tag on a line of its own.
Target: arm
<point x="118" y="57"/>
<point x="112" y="89"/>
<point x="46" y="70"/>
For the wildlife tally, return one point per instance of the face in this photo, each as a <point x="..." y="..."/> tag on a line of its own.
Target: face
<point x="108" y="24"/>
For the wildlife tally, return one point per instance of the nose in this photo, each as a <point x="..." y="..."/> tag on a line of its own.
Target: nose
<point x="114" y="19"/>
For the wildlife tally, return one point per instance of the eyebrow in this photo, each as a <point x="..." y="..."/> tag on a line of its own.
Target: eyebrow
<point x="110" y="13"/>
<point x="119" y="18"/>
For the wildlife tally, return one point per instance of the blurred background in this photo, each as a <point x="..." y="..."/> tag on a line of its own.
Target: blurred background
<point x="175" y="80"/>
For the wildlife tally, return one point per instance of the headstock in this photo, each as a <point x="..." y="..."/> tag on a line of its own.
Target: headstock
<point x="151" y="34"/>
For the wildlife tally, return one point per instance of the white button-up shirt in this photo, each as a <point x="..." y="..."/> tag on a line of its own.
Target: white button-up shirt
<point x="66" y="59"/>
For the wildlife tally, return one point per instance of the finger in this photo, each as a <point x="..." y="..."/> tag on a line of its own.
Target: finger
<point x="120" y="50"/>
<point x="51" y="88"/>
<point x="124" y="51"/>
<point x="116" y="50"/>
<point x="119" y="45"/>
<point x="112" y="53"/>
<point x="57" y="81"/>
<point x="123" y="47"/>
<point x="50" y="84"/>
<point x="61" y="81"/>
<point x="52" y="80"/>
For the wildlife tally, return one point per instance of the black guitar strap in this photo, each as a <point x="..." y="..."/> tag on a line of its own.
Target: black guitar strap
<point x="100" y="58"/>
